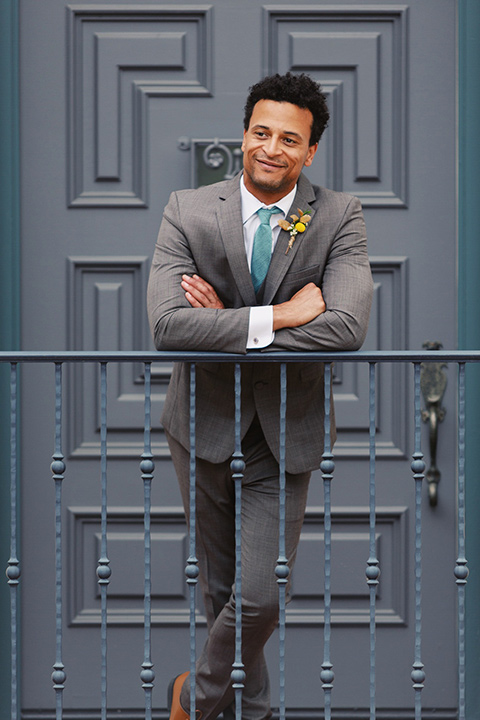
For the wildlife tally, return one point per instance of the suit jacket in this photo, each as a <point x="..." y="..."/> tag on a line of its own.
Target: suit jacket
<point x="202" y="232"/>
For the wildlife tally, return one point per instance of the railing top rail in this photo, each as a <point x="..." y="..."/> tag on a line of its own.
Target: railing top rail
<point x="411" y="356"/>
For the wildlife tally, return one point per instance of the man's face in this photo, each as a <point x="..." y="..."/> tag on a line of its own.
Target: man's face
<point x="276" y="148"/>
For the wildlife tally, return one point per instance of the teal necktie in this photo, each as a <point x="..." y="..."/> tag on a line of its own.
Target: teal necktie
<point x="262" y="247"/>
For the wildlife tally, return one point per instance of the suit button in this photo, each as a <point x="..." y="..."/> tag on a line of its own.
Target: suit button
<point x="260" y="384"/>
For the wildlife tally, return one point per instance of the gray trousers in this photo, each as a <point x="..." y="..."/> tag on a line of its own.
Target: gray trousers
<point x="215" y="545"/>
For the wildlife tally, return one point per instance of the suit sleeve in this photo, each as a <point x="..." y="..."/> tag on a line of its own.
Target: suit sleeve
<point x="347" y="289"/>
<point x="174" y="324"/>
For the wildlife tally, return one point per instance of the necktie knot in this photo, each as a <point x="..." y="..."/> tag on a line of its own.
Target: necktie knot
<point x="265" y="214"/>
<point x="262" y="247"/>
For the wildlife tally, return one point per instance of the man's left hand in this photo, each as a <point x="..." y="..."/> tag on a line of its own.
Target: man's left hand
<point x="200" y="293"/>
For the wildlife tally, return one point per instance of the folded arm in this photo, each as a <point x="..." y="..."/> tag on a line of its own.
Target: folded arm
<point x="347" y="289"/>
<point x="174" y="323"/>
<point x="332" y="318"/>
<point x="304" y="306"/>
<point x="187" y="313"/>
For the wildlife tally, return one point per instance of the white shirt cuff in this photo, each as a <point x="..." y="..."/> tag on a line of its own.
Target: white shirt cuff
<point x="260" y="327"/>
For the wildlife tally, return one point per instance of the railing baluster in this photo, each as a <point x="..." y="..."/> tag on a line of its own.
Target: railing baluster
<point x="13" y="569"/>
<point x="147" y="467"/>
<point x="238" y="467"/>
<point x="103" y="569"/>
<point x="58" y="470"/>
<point x="461" y="570"/>
<point x="373" y="571"/>
<point x="191" y="570"/>
<point x="282" y="570"/>
<point x="418" y="469"/>
<point x="327" y="466"/>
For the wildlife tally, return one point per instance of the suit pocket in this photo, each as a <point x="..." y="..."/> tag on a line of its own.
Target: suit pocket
<point x="302" y="277"/>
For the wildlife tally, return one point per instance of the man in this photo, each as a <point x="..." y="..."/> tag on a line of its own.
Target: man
<point x="213" y="287"/>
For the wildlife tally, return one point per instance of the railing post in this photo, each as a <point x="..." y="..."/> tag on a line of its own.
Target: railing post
<point x="58" y="470"/>
<point x="103" y="569"/>
<point x="191" y="570"/>
<point x="238" y="468"/>
<point x="418" y="469"/>
<point x="13" y="569"/>
<point x="373" y="571"/>
<point x="327" y="466"/>
<point x="282" y="570"/>
<point x="461" y="570"/>
<point x="147" y="467"/>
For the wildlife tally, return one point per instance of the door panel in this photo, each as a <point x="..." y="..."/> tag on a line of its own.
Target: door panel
<point x="119" y="101"/>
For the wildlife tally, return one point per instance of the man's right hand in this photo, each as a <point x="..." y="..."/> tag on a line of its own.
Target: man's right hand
<point x="304" y="306"/>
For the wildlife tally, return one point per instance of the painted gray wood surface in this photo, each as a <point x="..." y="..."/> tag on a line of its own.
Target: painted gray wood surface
<point x="110" y="91"/>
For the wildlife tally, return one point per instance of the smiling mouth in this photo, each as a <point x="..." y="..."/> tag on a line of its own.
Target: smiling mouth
<point x="269" y="164"/>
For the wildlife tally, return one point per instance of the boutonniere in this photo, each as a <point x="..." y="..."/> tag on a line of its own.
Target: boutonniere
<point x="299" y="225"/>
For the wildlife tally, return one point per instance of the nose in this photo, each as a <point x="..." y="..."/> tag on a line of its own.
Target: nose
<point x="272" y="146"/>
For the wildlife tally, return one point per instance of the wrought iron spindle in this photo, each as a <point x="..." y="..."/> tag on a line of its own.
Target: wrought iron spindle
<point x="461" y="570"/>
<point x="237" y="467"/>
<point x="103" y="569"/>
<point x="147" y="467"/>
<point x="13" y="569"/>
<point x="282" y="570"/>
<point x="327" y="466"/>
<point x="58" y="470"/>
<point x="373" y="570"/>
<point x="418" y="469"/>
<point x="191" y="570"/>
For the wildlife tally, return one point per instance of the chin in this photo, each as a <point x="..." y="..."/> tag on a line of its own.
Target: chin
<point x="267" y="183"/>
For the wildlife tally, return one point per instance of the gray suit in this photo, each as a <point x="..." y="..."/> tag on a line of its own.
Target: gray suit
<point x="202" y="233"/>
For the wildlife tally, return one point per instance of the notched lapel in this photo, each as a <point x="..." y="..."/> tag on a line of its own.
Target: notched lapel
<point x="229" y="217"/>
<point x="281" y="260"/>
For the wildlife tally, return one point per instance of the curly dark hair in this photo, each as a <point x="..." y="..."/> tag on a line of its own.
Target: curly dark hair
<point x="300" y="90"/>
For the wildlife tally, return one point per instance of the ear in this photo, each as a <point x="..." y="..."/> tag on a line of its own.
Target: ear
<point x="243" y="141"/>
<point x="310" y="154"/>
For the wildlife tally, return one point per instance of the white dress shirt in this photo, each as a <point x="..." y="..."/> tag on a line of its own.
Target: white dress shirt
<point x="260" y="328"/>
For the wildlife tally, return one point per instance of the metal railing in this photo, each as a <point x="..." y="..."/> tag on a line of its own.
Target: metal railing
<point x="327" y="467"/>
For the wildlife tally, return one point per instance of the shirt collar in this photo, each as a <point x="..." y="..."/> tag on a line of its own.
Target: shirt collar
<point x="250" y="204"/>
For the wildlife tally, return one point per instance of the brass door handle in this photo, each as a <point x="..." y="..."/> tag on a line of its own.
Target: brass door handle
<point x="433" y="382"/>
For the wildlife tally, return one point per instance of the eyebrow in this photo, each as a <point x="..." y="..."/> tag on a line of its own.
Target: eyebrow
<point x="285" y="132"/>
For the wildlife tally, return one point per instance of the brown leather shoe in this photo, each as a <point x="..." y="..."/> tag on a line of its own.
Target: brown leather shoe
<point x="173" y="698"/>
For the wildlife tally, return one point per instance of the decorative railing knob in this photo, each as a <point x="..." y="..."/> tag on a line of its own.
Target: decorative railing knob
<point x="238" y="676"/>
<point x="372" y="572"/>
<point x="418" y="676"/>
<point x="103" y="571"/>
<point x="59" y="676"/>
<point x="461" y="571"/>
<point x="147" y="675"/>
<point x="192" y="571"/>
<point x="327" y="676"/>
<point x="13" y="572"/>
<point x="282" y="571"/>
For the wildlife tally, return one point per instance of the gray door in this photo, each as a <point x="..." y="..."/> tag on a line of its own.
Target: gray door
<point x="118" y="103"/>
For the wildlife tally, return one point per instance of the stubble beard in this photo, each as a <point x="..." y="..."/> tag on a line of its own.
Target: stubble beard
<point x="265" y="184"/>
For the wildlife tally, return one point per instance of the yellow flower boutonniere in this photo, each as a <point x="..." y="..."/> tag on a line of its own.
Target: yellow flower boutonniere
<point x="299" y="225"/>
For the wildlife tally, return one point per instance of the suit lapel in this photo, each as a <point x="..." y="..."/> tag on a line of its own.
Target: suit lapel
<point x="229" y="217"/>
<point x="281" y="260"/>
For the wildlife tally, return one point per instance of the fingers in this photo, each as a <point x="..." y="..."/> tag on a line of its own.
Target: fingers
<point x="200" y="293"/>
<point x="306" y="305"/>
<point x="309" y="301"/>
<point x="308" y="291"/>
